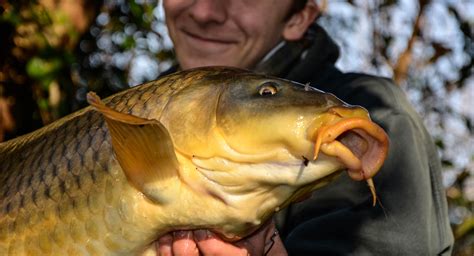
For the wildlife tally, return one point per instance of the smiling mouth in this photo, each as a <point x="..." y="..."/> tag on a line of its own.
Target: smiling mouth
<point x="213" y="40"/>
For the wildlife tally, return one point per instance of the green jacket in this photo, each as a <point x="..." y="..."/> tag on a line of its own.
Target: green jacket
<point x="411" y="217"/>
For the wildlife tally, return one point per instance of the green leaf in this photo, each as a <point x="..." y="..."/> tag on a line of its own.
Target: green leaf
<point x="40" y="69"/>
<point x="43" y="104"/>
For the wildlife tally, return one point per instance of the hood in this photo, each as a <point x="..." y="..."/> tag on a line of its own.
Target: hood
<point x="317" y="48"/>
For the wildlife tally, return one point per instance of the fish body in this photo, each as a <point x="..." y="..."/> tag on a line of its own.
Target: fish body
<point x="214" y="148"/>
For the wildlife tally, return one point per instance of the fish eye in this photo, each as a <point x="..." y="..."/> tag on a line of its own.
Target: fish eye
<point x="268" y="88"/>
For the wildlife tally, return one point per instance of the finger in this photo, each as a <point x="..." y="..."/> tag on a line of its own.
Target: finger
<point x="184" y="244"/>
<point x="257" y="240"/>
<point x="164" y="245"/>
<point x="264" y="241"/>
<point x="274" y="246"/>
<point x="210" y="244"/>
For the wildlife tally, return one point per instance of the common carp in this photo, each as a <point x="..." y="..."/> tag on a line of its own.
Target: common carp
<point x="210" y="148"/>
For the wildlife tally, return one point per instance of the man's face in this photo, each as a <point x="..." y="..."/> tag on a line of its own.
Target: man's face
<point x="224" y="32"/>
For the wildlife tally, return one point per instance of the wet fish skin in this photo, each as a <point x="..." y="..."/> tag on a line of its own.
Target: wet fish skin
<point x="63" y="190"/>
<point x="55" y="182"/>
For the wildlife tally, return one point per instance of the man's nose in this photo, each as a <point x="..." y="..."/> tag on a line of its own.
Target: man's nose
<point x="209" y="11"/>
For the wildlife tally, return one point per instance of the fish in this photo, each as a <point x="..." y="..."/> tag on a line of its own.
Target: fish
<point x="211" y="148"/>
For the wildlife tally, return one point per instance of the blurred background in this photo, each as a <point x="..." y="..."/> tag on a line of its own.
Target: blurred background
<point x="53" y="51"/>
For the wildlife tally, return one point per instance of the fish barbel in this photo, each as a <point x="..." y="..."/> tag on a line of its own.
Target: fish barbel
<point x="209" y="148"/>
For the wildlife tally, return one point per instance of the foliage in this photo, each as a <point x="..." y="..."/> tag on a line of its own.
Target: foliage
<point x="127" y="45"/>
<point x="38" y="43"/>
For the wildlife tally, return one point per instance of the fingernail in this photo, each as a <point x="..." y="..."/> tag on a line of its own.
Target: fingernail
<point x="201" y="234"/>
<point x="182" y="234"/>
<point x="166" y="239"/>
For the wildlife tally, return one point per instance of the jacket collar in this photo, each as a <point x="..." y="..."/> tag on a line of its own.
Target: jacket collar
<point x="302" y="60"/>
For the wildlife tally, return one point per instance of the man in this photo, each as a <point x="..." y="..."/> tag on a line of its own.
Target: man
<point x="279" y="37"/>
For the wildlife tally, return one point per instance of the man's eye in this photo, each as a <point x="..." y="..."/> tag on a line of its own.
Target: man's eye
<point x="268" y="88"/>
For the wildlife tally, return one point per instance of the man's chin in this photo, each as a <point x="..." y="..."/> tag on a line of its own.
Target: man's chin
<point x="195" y="63"/>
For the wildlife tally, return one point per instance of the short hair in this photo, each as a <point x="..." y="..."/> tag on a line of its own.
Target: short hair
<point x="297" y="6"/>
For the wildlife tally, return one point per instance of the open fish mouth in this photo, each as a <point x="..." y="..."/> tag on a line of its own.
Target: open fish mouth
<point x="358" y="143"/>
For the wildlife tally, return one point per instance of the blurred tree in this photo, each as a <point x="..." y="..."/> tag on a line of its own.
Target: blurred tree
<point x="38" y="43"/>
<point x="126" y="46"/>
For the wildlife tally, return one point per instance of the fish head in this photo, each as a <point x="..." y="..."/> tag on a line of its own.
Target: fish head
<point x="230" y="148"/>
<point x="261" y="143"/>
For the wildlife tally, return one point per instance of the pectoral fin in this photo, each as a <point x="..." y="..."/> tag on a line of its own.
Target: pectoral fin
<point x="143" y="148"/>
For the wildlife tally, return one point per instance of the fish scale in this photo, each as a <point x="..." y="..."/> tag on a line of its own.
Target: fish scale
<point x="71" y="190"/>
<point x="76" y="154"/>
<point x="83" y="186"/>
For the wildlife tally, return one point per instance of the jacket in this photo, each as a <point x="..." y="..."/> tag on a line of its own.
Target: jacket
<point x="410" y="217"/>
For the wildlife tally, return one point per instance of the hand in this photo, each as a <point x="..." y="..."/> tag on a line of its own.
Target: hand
<point x="265" y="241"/>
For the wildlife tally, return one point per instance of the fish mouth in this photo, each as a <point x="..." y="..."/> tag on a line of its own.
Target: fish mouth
<point x="358" y="143"/>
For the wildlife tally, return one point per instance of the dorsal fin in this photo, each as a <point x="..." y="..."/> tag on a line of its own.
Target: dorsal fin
<point x="143" y="148"/>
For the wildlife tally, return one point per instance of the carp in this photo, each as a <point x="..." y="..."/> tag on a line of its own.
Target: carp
<point x="210" y="148"/>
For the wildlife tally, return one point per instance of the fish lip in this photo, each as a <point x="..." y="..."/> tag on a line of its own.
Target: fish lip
<point x="361" y="165"/>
